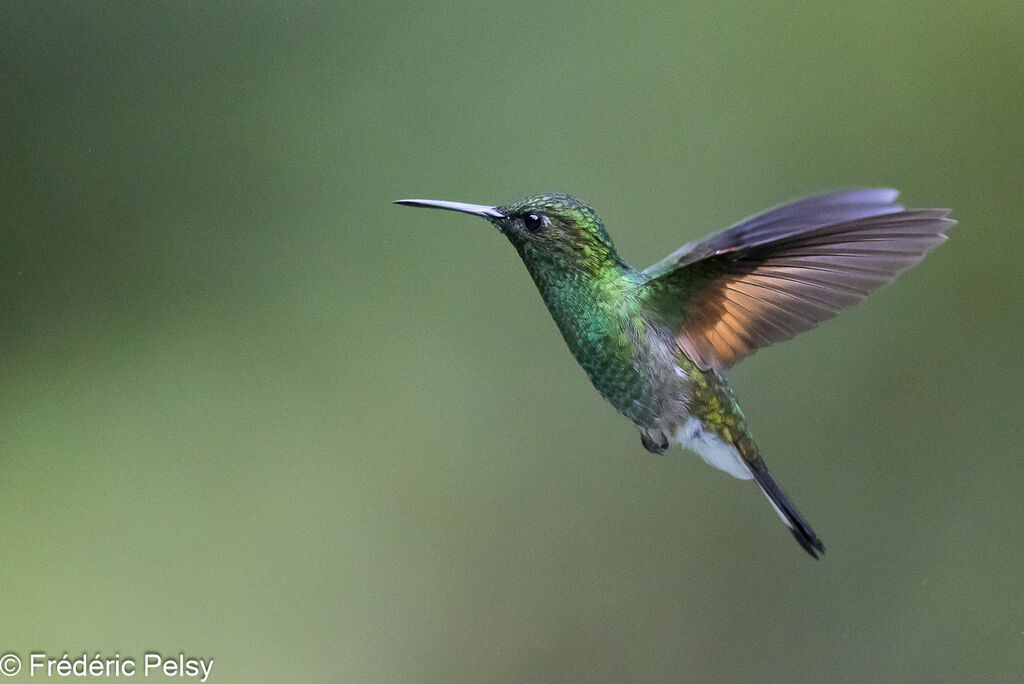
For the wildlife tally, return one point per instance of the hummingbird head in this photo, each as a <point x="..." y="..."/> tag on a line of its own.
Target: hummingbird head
<point x="549" y="231"/>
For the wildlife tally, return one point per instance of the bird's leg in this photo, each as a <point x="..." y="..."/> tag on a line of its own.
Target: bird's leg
<point x="656" y="443"/>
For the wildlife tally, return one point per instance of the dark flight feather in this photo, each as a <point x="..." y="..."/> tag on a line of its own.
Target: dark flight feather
<point x="782" y="272"/>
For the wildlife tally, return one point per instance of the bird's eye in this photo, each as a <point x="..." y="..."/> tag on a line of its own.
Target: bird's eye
<point x="534" y="222"/>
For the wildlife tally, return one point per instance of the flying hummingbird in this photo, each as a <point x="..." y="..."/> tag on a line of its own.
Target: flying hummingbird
<point x="655" y="343"/>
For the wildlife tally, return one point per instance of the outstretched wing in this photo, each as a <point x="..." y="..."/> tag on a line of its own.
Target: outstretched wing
<point x="782" y="272"/>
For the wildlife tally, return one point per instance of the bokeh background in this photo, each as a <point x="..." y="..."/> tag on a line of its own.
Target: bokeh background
<point x="250" y="410"/>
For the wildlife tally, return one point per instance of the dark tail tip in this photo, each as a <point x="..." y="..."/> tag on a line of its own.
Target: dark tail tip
<point x="802" y="532"/>
<point x="808" y="540"/>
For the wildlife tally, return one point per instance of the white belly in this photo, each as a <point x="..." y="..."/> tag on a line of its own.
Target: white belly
<point x="711" y="448"/>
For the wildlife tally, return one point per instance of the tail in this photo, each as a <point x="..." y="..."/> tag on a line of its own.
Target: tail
<point x="802" y="532"/>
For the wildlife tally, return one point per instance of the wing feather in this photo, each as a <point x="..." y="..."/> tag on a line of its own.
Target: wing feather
<point x="783" y="272"/>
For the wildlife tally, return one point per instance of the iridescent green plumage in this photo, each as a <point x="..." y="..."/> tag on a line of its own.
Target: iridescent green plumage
<point x="595" y="298"/>
<point x="655" y="342"/>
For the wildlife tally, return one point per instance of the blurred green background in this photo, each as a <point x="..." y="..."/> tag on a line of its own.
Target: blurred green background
<point x="253" y="411"/>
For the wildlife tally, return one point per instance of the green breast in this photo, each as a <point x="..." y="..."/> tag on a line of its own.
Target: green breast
<point x="600" y="321"/>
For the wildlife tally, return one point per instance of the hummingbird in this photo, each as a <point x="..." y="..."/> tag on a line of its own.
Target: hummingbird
<point x="656" y="343"/>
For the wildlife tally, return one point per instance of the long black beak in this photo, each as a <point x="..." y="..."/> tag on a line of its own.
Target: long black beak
<point x="474" y="209"/>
